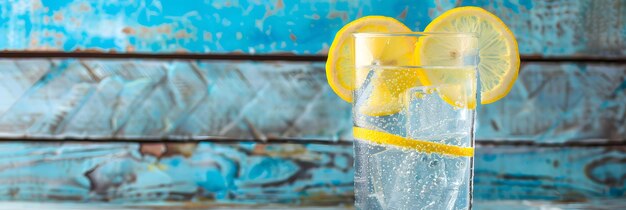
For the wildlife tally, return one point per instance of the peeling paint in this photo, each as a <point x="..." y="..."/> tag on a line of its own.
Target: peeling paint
<point x="575" y="28"/>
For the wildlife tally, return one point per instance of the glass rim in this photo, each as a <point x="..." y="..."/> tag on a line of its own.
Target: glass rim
<point x="416" y="34"/>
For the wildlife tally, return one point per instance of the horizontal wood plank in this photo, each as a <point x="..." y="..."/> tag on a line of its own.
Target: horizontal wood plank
<point x="302" y="174"/>
<point x="598" y="204"/>
<point x="550" y="173"/>
<point x="195" y="100"/>
<point x="559" y="102"/>
<point x="174" y="99"/>
<point x="201" y="205"/>
<point x="544" y="28"/>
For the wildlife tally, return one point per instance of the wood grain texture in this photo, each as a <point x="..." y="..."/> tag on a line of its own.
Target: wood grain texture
<point x="597" y="204"/>
<point x="174" y="99"/>
<point x="544" y="28"/>
<point x="559" y="102"/>
<point x="179" y="99"/>
<point x="294" y="174"/>
<point x="562" y="27"/>
<point x="302" y="174"/>
<point x="550" y="173"/>
<point x="11" y="205"/>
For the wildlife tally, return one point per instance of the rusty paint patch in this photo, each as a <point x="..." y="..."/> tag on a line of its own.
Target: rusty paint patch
<point x="184" y="149"/>
<point x="280" y="4"/>
<point x="182" y="34"/>
<point x="152" y="149"/>
<point x="130" y="48"/>
<point x="58" y="16"/>
<point x="207" y="36"/>
<point x="128" y="30"/>
<point x="293" y="37"/>
<point x="84" y="7"/>
<point x="338" y="14"/>
<point x="402" y="15"/>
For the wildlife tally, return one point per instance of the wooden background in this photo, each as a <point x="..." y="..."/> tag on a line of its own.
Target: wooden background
<point x="225" y="102"/>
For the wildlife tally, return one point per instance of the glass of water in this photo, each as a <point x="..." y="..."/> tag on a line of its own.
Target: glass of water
<point x="414" y="113"/>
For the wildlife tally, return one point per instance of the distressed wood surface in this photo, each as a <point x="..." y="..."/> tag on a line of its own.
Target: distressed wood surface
<point x="559" y="102"/>
<point x="302" y="174"/>
<point x="177" y="99"/>
<point x="158" y="206"/>
<point x="288" y="173"/>
<point x="599" y="204"/>
<point x="544" y="28"/>
<point x="549" y="173"/>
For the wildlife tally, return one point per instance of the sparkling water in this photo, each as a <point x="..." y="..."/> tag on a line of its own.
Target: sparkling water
<point x="392" y="177"/>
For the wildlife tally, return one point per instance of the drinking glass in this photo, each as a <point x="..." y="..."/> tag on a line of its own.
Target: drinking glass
<point x="414" y="113"/>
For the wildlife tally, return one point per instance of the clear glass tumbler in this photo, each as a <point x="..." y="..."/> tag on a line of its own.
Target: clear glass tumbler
<point x="414" y="113"/>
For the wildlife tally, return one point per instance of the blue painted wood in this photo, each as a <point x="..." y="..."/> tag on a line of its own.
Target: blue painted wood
<point x="559" y="102"/>
<point x="550" y="173"/>
<point x="550" y="28"/>
<point x="603" y="204"/>
<point x="287" y="173"/>
<point x="303" y="174"/>
<point x="175" y="99"/>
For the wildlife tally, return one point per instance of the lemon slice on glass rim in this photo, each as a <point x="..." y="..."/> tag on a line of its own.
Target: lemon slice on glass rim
<point x="498" y="54"/>
<point x="385" y="97"/>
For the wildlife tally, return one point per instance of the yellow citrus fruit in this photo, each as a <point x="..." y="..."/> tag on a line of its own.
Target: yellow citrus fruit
<point x="385" y="60"/>
<point x="498" y="56"/>
<point x="388" y="88"/>
<point x="379" y="137"/>
<point x="340" y="66"/>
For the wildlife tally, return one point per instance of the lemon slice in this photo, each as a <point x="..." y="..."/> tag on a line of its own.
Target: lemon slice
<point x="340" y="66"/>
<point x="498" y="54"/>
<point x="389" y="85"/>
<point x="379" y="137"/>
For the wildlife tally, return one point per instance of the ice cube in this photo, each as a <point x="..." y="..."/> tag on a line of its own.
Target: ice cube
<point x="428" y="117"/>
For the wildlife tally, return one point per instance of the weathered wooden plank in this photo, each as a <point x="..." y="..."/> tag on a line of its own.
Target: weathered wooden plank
<point x="302" y="174"/>
<point x="198" y="205"/>
<point x="550" y="173"/>
<point x="549" y="28"/>
<point x="599" y="204"/>
<point x="176" y="99"/>
<point x="558" y="102"/>
<point x="562" y="27"/>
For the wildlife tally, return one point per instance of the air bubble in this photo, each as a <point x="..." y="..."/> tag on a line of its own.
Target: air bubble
<point x="433" y="164"/>
<point x="460" y="164"/>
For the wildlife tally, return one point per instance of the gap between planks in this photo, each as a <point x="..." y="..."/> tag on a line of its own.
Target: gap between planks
<point x="260" y="57"/>
<point x="479" y="142"/>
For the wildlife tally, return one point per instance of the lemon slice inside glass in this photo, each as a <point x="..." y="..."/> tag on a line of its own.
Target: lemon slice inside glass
<point x="498" y="55"/>
<point x="340" y="66"/>
<point x="379" y="137"/>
